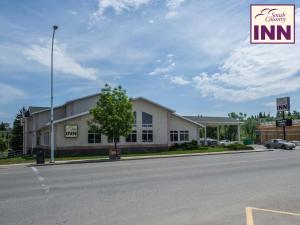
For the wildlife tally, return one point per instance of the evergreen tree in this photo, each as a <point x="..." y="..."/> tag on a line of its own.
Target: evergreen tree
<point x="2" y="126"/>
<point x="16" y="141"/>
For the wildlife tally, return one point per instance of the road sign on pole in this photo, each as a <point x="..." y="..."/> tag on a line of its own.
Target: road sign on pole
<point x="283" y="104"/>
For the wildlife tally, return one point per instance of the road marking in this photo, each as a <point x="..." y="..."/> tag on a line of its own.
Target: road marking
<point x="34" y="169"/>
<point x="277" y="211"/>
<point x="40" y="178"/>
<point x="249" y="213"/>
<point x="249" y="216"/>
<point x="45" y="187"/>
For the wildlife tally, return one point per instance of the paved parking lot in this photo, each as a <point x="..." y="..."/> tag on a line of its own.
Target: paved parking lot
<point x="208" y="190"/>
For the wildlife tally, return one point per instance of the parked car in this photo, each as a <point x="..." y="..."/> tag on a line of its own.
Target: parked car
<point x="225" y="142"/>
<point x="297" y="143"/>
<point x="279" y="143"/>
<point x="209" y="142"/>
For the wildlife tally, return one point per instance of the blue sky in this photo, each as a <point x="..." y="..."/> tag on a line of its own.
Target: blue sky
<point x="192" y="56"/>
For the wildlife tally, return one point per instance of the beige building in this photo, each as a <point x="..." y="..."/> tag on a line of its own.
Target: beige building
<point x="156" y="126"/>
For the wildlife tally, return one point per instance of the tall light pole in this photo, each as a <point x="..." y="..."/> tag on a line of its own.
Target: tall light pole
<point x="52" y="116"/>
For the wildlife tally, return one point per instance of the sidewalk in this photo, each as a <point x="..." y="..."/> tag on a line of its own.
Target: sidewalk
<point x="145" y="157"/>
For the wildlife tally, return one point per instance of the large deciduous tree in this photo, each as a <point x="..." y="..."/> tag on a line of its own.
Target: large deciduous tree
<point x="249" y="128"/>
<point x="112" y="115"/>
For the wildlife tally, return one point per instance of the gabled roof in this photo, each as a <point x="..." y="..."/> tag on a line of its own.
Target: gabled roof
<point x="34" y="109"/>
<point x="189" y="120"/>
<point x="213" y="120"/>
<point x="66" y="103"/>
<point x="153" y="103"/>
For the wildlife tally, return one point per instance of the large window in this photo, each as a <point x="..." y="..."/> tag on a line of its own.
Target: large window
<point x="174" y="135"/>
<point x="147" y="136"/>
<point x="46" y="138"/>
<point x="184" y="135"/>
<point x="146" y="120"/>
<point x="110" y="140"/>
<point x="131" y="137"/>
<point x="94" y="137"/>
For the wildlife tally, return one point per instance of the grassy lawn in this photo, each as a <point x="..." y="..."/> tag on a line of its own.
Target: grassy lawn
<point x="29" y="159"/>
<point x="174" y="152"/>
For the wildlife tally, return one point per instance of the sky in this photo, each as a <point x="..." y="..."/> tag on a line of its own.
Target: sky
<point x="189" y="55"/>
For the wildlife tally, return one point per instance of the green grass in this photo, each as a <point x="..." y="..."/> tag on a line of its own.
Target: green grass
<point x="174" y="152"/>
<point x="16" y="160"/>
<point x="29" y="159"/>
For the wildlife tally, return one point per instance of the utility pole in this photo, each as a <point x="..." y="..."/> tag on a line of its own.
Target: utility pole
<point x="52" y="116"/>
<point x="283" y="128"/>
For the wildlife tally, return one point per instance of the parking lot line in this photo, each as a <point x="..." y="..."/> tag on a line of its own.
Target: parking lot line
<point x="277" y="211"/>
<point x="249" y="213"/>
<point x="249" y="216"/>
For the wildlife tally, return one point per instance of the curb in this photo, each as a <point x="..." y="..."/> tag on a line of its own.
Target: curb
<point x="147" y="157"/>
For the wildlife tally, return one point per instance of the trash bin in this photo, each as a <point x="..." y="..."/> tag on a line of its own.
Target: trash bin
<point x="114" y="154"/>
<point x="40" y="156"/>
<point x="248" y="142"/>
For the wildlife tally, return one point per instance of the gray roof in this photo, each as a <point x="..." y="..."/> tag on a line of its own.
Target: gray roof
<point x="213" y="120"/>
<point x="33" y="109"/>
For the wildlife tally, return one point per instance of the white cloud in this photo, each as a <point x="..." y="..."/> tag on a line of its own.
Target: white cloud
<point x="178" y="80"/>
<point x="174" y="4"/>
<point x="62" y="61"/>
<point x="9" y="93"/>
<point x="165" y="71"/>
<point x="171" y="14"/>
<point x="254" y="71"/>
<point x="118" y="6"/>
<point x="165" y="68"/>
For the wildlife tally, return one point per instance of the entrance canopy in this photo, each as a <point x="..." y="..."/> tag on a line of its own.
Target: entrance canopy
<point x="211" y="121"/>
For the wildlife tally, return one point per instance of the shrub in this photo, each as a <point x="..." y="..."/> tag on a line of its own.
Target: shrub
<point x="185" y="146"/>
<point x="239" y="147"/>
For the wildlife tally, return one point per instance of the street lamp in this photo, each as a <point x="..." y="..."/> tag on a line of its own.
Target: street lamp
<point x="52" y="117"/>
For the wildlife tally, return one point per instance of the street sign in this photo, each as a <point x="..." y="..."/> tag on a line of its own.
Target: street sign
<point x="283" y="104"/>
<point x="284" y="123"/>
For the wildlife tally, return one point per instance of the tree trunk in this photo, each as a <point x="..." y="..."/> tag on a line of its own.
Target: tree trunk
<point x="115" y="143"/>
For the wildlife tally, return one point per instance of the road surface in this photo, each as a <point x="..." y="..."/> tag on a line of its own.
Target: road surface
<point x="205" y="190"/>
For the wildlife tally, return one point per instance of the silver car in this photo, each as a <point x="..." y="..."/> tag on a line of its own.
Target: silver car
<point x="279" y="143"/>
<point x="297" y="143"/>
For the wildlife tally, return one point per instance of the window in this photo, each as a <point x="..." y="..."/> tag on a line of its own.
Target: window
<point x="184" y="135"/>
<point x="146" y="120"/>
<point x="94" y="137"/>
<point x="147" y="136"/>
<point x="174" y="135"/>
<point x="131" y="137"/>
<point x="46" y="138"/>
<point x="38" y="141"/>
<point x="110" y="140"/>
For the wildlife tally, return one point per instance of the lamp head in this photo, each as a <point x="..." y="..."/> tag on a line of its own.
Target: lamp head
<point x="55" y="27"/>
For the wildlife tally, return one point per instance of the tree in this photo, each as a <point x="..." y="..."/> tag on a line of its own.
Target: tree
<point x="16" y="141"/>
<point x="112" y="115"/>
<point x="3" y="145"/>
<point x="2" y="126"/>
<point x="249" y="128"/>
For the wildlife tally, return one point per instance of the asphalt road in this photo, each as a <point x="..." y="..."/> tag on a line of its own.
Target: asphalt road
<point x="205" y="190"/>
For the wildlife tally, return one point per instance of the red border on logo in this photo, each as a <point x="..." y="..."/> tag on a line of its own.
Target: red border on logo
<point x="273" y="42"/>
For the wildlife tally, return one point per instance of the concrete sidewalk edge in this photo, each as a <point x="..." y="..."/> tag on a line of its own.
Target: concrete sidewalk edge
<point x="144" y="157"/>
